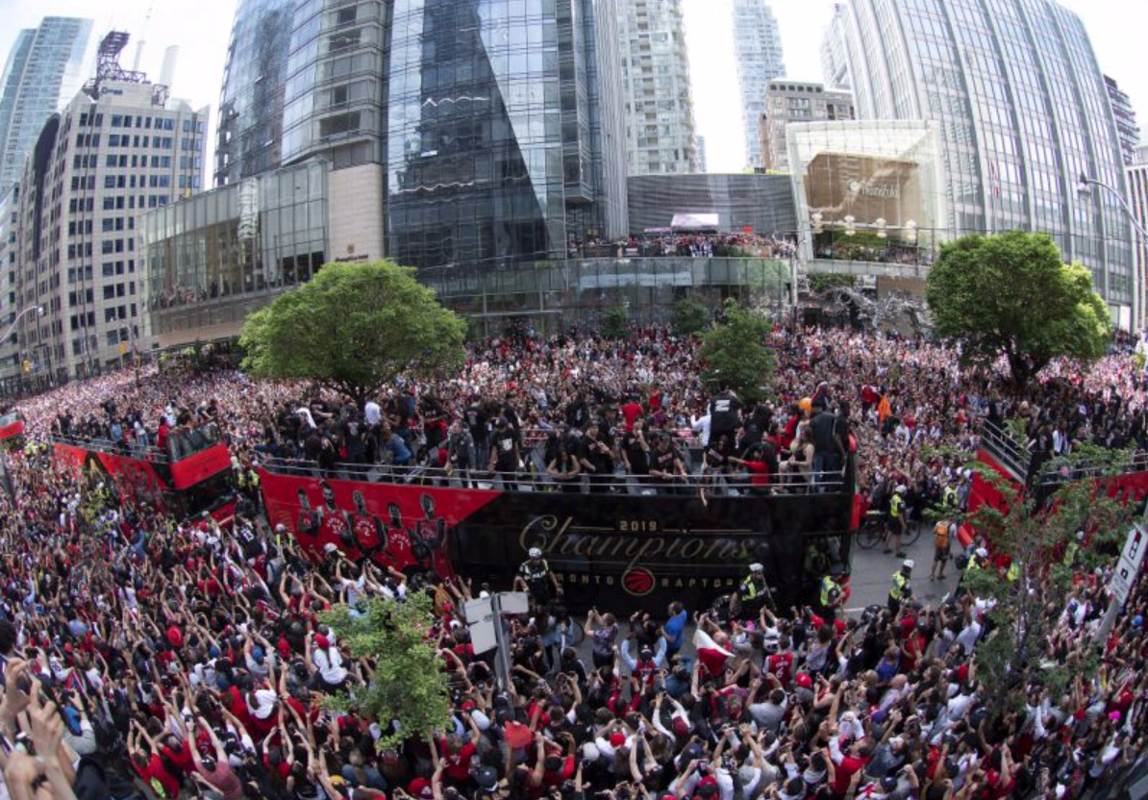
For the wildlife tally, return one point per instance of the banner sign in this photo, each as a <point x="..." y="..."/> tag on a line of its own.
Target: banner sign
<point x="627" y="551"/>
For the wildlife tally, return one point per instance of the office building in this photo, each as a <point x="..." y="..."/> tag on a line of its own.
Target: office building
<point x="1023" y="112"/>
<point x="1137" y="175"/>
<point x="792" y="101"/>
<point x="9" y="214"/>
<point x="119" y="148"/>
<point x="44" y="70"/>
<point x="249" y="138"/>
<point x="503" y="133"/>
<point x="1126" y="127"/>
<point x="738" y="202"/>
<point x="658" y="104"/>
<point x="834" y="64"/>
<point x="700" y="147"/>
<point x="757" y="46"/>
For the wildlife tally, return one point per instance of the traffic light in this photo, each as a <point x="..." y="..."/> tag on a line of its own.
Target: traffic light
<point x="27" y="365"/>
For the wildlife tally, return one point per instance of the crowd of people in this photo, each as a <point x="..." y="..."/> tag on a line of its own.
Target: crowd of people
<point x="143" y="653"/>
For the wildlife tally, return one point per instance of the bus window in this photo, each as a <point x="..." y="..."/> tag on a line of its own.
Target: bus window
<point x="207" y="495"/>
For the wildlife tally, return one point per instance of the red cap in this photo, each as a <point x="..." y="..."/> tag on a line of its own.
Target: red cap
<point x="804" y="681"/>
<point x="617" y="739"/>
<point x="322" y="641"/>
<point x="468" y="705"/>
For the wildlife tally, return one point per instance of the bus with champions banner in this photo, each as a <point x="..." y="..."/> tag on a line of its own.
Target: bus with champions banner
<point x="625" y="545"/>
<point x="189" y="477"/>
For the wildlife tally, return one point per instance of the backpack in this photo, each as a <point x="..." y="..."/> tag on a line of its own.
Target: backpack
<point x="941" y="536"/>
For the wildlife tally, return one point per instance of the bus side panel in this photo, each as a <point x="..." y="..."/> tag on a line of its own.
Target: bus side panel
<point x="200" y="466"/>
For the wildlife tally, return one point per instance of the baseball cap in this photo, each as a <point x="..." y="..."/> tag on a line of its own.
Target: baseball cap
<point x="982" y="553"/>
<point x="908" y="563"/>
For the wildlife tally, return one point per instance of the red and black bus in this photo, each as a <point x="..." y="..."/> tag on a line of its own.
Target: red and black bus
<point x="12" y="431"/>
<point x="190" y="476"/>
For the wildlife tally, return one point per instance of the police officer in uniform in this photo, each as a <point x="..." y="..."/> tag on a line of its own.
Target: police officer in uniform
<point x="752" y="594"/>
<point x="830" y="597"/>
<point x="901" y="588"/>
<point x="898" y="517"/>
<point x="535" y="576"/>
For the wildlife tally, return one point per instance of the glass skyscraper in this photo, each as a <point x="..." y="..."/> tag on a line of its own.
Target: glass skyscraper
<point x="1023" y="112"/>
<point x="250" y="136"/>
<point x="503" y="131"/>
<point x="757" y="44"/>
<point x="45" y="68"/>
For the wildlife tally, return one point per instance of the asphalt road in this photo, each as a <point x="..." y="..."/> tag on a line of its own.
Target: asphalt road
<point x="873" y="573"/>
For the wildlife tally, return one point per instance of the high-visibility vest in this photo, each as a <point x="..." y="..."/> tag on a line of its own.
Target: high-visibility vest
<point x="830" y="591"/>
<point x="949" y="497"/>
<point x="749" y="590"/>
<point x="900" y="586"/>
<point x="1013" y="571"/>
<point x="972" y="565"/>
<point x="531" y="572"/>
<point x="895" y="506"/>
<point x="1070" y="553"/>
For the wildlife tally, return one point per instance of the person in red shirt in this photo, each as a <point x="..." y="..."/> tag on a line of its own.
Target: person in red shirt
<point x="455" y="753"/>
<point x="780" y="664"/>
<point x="631" y="411"/>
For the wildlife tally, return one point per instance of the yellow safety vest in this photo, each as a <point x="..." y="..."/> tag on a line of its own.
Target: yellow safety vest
<point x="1013" y="571"/>
<point x="949" y="497"/>
<point x="895" y="506"/>
<point x="828" y="587"/>
<point x="1070" y="553"/>
<point x="900" y="584"/>
<point x="748" y="589"/>
<point x="972" y="565"/>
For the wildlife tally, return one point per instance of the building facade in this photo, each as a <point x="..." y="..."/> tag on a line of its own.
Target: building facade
<point x="1137" y="176"/>
<point x="834" y="62"/>
<point x="95" y="169"/>
<point x="44" y="70"/>
<point x="763" y="204"/>
<point x="792" y="101"/>
<point x="9" y="215"/>
<point x="503" y="139"/>
<point x="249" y="137"/>
<point x="1023" y="112"/>
<point x="1126" y="127"/>
<point x="700" y="145"/>
<point x="658" y="102"/>
<point x="757" y="45"/>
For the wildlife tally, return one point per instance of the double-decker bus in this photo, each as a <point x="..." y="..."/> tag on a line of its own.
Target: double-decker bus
<point x="625" y="544"/>
<point x="190" y="476"/>
<point x="12" y="430"/>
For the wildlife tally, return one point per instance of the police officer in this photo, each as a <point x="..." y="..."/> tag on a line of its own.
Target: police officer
<point x="752" y="594"/>
<point x="535" y="576"/>
<point x="898" y="517"/>
<point x="949" y="499"/>
<point x="978" y="560"/>
<point x="901" y="589"/>
<point x="1073" y="549"/>
<point x="831" y="597"/>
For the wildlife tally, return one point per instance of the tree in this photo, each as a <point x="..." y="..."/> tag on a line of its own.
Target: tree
<point x="735" y="352"/>
<point x="354" y="327"/>
<point x="823" y="281"/>
<point x="615" y="323"/>
<point x="1011" y="294"/>
<point x="1040" y="543"/>
<point x="409" y="685"/>
<point x="690" y="316"/>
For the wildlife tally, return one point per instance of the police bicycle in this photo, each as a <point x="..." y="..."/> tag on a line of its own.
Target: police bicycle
<point x="876" y="527"/>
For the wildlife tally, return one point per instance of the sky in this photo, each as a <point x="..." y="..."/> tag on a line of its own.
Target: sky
<point x="201" y="29"/>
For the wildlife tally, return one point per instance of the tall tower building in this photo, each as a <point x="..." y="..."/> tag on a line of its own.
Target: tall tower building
<point x="757" y="45"/>
<point x="117" y="149"/>
<point x="700" y="141"/>
<point x="1137" y="174"/>
<point x="1125" y="117"/>
<point x="834" y="64"/>
<point x="250" y="132"/>
<point x="659" y="108"/>
<point x="1023" y="111"/>
<point x="44" y="70"/>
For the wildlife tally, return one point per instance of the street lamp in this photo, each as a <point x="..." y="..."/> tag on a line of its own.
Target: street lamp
<point x="39" y="313"/>
<point x="1083" y="182"/>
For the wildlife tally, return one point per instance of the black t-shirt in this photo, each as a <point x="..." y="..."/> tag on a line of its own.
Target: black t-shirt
<point x="725" y="413"/>
<point x="476" y="421"/>
<point x="663" y="460"/>
<point x="823" y="426"/>
<point x="639" y="458"/>
<point x="504" y="444"/>
<point x="597" y="452"/>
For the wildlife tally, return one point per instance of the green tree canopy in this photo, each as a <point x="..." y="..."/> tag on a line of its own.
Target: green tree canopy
<point x="690" y="316"/>
<point x="735" y="351"/>
<point x="409" y="685"/>
<point x="614" y="323"/>
<point x="1011" y="294"/>
<point x="354" y="327"/>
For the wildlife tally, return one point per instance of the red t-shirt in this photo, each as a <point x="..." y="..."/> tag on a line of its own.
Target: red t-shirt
<point x="630" y="412"/>
<point x="155" y="773"/>
<point x="457" y="765"/>
<point x="781" y="667"/>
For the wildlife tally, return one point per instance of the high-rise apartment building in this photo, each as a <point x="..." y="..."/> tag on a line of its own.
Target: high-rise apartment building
<point x="757" y="45"/>
<point x="659" y="108"/>
<point x="117" y="149"/>
<point x="9" y="214"/>
<point x="792" y="101"/>
<point x="1125" y="117"/>
<point x="700" y="145"/>
<point x="1023" y="112"/>
<point x="834" y="64"/>
<point x="249" y="138"/>
<point x="44" y="69"/>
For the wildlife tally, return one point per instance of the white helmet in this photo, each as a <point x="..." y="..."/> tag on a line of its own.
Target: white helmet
<point x="534" y="552"/>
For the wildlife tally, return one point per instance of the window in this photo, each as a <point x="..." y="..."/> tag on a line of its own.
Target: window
<point x="108" y="269"/>
<point x="113" y="337"/>
<point x="346" y="15"/>
<point x="109" y="314"/>
<point x="109" y="292"/>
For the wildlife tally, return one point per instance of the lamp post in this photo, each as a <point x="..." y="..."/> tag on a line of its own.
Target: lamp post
<point x="1083" y="182"/>
<point x="39" y="313"/>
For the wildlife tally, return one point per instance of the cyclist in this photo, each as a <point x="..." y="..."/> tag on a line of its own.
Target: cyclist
<point x="536" y="577"/>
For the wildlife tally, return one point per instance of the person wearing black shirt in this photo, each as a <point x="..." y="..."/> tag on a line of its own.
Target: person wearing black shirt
<point x="596" y="456"/>
<point x="504" y="457"/>
<point x="476" y="420"/>
<point x="725" y="414"/>
<point x="578" y="412"/>
<point x="665" y="462"/>
<point x="565" y="469"/>
<point x="827" y="453"/>
<point x="636" y="451"/>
